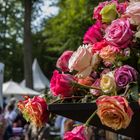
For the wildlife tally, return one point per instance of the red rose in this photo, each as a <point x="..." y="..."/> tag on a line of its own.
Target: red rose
<point x="63" y="60"/>
<point x="61" y="84"/>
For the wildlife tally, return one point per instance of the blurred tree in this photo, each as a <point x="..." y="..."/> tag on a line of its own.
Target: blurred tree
<point x="11" y="28"/>
<point x="57" y="33"/>
<point x="65" y="31"/>
<point x="11" y="36"/>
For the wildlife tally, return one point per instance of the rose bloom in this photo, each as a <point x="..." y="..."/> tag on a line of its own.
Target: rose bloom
<point x="96" y="48"/>
<point x="109" y="13"/>
<point x="125" y="75"/>
<point x="95" y="60"/>
<point x="34" y="110"/>
<point x="133" y="11"/>
<point x="78" y="133"/>
<point x="105" y="71"/>
<point x="97" y="10"/>
<point x="95" y="84"/>
<point x="134" y="0"/>
<point x="62" y="62"/>
<point x="121" y="7"/>
<point x="108" y="53"/>
<point x="114" y="111"/>
<point x="93" y="34"/>
<point x="107" y="83"/>
<point x="61" y="84"/>
<point x="86" y="81"/>
<point x="80" y="59"/>
<point x="119" y="33"/>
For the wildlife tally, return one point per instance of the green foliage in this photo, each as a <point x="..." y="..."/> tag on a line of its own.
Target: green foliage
<point x="65" y="31"/>
<point x="133" y="92"/>
<point x="11" y="28"/>
<point x="11" y="37"/>
<point x="61" y="32"/>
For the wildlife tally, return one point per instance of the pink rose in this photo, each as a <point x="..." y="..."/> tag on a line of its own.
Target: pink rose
<point x="119" y="33"/>
<point x="61" y="84"/>
<point x="108" y="53"/>
<point x="134" y="0"/>
<point x="98" y="46"/>
<point x="94" y="91"/>
<point x="114" y="111"/>
<point x="133" y="11"/>
<point x="121" y="7"/>
<point x="93" y="34"/>
<point x="62" y="62"/>
<point x="81" y="61"/>
<point x="78" y="133"/>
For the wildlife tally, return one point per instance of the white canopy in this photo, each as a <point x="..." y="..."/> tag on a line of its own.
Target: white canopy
<point x="13" y="88"/>
<point x="40" y="82"/>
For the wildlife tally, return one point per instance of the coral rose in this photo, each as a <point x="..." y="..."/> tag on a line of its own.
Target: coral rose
<point x="63" y="60"/>
<point x="114" y="111"/>
<point x="119" y="33"/>
<point x="34" y="110"/>
<point x="86" y="81"/>
<point x="61" y="84"/>
<point x="78" y="133"/>
<point x="125" y="75"/>
<point x="133" y="11"/>
<point x="93" y="34"/>
<point x="108" y="53"/>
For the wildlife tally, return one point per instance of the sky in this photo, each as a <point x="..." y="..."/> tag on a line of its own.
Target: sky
<point x="47" y="10"/>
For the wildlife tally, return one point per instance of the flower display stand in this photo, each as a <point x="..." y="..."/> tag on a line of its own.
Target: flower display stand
<point x="82" y="111"/>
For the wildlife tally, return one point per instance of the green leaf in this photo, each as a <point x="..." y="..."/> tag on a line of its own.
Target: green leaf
<point x="133" y="92"/>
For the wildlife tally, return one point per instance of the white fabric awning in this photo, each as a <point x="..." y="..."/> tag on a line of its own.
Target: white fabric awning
<point x="13" y="88"/>
<point x="40" y="81"/>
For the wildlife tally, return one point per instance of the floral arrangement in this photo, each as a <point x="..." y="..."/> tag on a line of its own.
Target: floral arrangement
<point x="105" y="69"/>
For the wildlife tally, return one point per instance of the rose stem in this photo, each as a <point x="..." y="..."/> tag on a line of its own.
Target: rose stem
<point x="85" y="86"/>
<point x="90" y="118"/>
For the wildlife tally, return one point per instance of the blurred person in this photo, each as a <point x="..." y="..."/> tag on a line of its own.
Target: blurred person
<point x="34" y="133"/>
<point x="10" y="115"/>
<point x="58" y="122"/>
<point x="2" y="124"/>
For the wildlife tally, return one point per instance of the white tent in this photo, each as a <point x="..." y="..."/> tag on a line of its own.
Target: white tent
<point x="13" y="88"/>
<point x="40" y="82"/>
